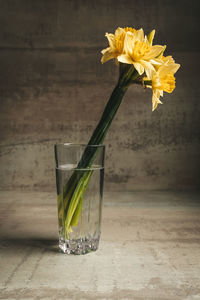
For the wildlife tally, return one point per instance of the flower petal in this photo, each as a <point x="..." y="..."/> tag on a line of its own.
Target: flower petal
<point x="129" y="43"/>
<point x="156" y="81"/>
<point x="155" y="100"/>
<point x="168" y="60"/>
<point x="172" y="68"/>
<point x="154" y="51"/>
<point x="125" y="58"/>
<point x="161" y="53"/>
<point x="150" y="36"/>
<point x="119" y="31"/>
<point x="139" y="67"/>
<point x="105" y="50"/>
<point x="149" y="69"/>
<point x="111" y="39"/>
<point x="140" y="35"/>
<point x="107" y="56"/>
<point x="156" y="61"/>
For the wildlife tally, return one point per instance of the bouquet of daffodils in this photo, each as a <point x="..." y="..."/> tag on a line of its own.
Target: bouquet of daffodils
<point x="140" y="62"/>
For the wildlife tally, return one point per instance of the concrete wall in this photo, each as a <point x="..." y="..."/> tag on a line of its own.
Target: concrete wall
<point x="53" y="88"/>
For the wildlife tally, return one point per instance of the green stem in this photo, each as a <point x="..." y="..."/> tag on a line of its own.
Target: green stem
<point x="147" y="82"/>
<point x="110" y="110"/>
<point x="75" y="187"/>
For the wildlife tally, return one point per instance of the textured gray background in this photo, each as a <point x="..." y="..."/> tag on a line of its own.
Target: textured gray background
<point x="53" y="88"/>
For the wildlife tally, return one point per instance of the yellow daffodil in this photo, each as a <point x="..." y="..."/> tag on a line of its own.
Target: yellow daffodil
<point x="130" y="46"/>
<point x="139" y="52"/>
<point x="163" y="80"/>
<point x="116" y="43"/>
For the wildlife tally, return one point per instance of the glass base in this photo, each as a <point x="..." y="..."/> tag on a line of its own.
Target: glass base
<point x="78" y="246"/>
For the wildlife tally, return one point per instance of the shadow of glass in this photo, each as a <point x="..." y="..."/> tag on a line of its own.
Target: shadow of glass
<point x="48" y="245"/>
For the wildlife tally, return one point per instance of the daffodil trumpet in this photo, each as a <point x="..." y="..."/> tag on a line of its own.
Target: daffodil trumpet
<point x="140" y="62"/>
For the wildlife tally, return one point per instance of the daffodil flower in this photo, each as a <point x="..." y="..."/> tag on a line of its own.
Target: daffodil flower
<point x="116" y="44"/>
<point x="162" y="80"/>
<point x="130" y="46"/>
<point x="139" y="52"/>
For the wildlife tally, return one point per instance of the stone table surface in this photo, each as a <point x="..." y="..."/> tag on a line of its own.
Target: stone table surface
<point x="149" y="249"/>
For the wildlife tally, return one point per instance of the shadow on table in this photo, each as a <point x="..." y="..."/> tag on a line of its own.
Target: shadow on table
<point x="49" y="245"/>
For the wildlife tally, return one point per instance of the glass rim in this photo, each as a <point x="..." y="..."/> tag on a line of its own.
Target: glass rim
<point x="79" y="144"/>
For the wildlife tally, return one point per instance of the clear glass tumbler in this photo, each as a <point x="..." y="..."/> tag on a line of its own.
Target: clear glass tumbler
<point x="79" y="180"/>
